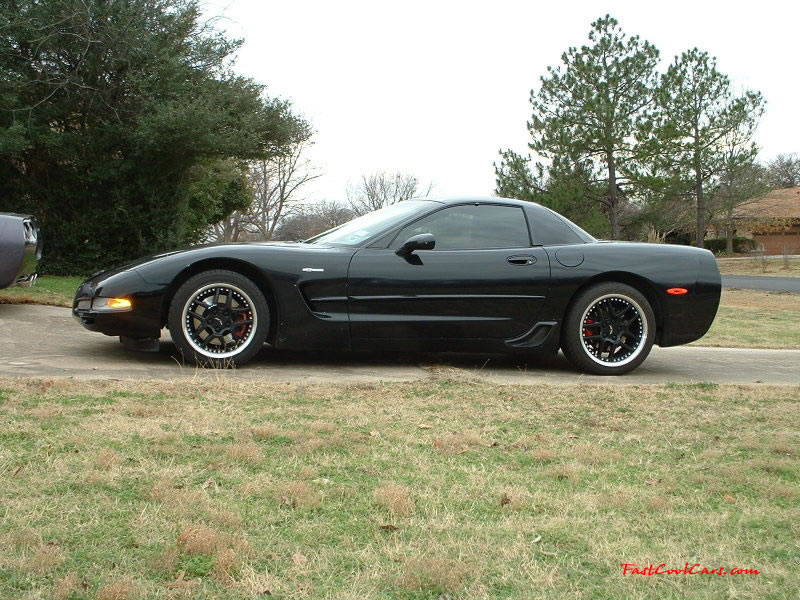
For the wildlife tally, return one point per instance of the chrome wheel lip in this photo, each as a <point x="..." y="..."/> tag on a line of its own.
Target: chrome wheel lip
<point x="642" y="340"/>
<point x="188" y="333"/>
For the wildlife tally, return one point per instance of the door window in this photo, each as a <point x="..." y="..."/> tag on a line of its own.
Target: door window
<point x="472" y="227"/>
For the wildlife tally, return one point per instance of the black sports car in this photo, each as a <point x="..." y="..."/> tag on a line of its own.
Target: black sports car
<point x="20" y="249"/>
<point x="466" y="274"/>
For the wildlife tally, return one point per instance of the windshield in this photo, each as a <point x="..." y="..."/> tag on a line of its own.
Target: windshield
<point x="358" y="230"/>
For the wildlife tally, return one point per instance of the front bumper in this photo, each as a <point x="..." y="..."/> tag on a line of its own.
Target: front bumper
<point x="142" y="320"/>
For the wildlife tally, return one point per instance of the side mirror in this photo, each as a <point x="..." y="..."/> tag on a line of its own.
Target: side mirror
<point x="423" y="241"/>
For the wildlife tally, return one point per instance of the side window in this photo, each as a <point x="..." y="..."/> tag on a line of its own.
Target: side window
<point x="471" y="227"/>
<point x="549" y="229"/>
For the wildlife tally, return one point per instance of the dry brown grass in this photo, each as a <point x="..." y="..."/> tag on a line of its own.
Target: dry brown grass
<point x="660" y="503"/>
<point x="225" y="518"/>
<point x="529" y="442"/>
<point x="148" y="410"/>
<point x="226" y="565"/>
<point x="66" y="586"/>
<point x="123" y="589"/>
<point x="317" y="444"/>
<point x="760" y="300"/>
<point x="545" y="455"/>
<point x="323" y="427"/>
<point x="589" y="454"/>
<point x="166" y="561"/>
<point x="570" y="472"/>
<point x="459" y="442"/>
<point x="785" y="444"/>
<point x="264" y="432"/>
<point x="46" y="558"/>
<point x="439" y="575"/>
<point x="179" y="498"/>
<point x="197" y="539"/>
<point x="773" y="267"/>
<point x="395" y="498"/>
<point x="25" y="539"/>
<point x="245" y="452"/>
<point x="107" y="459"/>
<point x="46" y="411"/>
<point x="516" y="499"/>
<point x="308" y="473"/>
<point x="297" y="494"/>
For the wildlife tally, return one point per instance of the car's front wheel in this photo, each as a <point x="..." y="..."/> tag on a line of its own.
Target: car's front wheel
<point x="609" y="329"/>
<point x="219" y="318"/>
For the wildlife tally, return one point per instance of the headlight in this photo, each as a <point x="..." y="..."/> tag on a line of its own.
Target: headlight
<point x="111" y="304"/>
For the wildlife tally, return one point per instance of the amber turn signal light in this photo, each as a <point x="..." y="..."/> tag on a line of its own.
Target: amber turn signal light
<point x="677" y="291"/>
<point x="118" y="303"/>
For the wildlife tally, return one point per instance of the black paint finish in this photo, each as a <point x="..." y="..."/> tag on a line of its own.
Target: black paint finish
<point x="367" y="296"/>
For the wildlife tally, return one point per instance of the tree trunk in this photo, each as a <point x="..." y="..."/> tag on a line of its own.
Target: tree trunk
<point x="729" y="229"/>
<point x="698" y="190"/>
<point x="612" y="196"/>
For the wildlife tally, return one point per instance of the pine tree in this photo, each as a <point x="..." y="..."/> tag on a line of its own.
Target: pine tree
<point x="591" y="106"/>
<point x="697" y="121"/>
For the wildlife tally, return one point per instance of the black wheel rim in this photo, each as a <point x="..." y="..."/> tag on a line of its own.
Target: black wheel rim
<point x="613" y="330"/>
<point x="219" y="320"/>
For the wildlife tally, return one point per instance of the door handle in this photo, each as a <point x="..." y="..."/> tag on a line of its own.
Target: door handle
<point x="521" y="260"/>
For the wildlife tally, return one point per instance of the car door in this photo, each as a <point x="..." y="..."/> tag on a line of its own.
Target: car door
<point x="483" y="279"/>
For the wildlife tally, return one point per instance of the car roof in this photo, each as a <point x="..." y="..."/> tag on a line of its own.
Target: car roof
<point x="480" y="199"/>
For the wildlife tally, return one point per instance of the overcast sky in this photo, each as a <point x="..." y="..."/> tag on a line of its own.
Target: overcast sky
<point x="434" y="88"/>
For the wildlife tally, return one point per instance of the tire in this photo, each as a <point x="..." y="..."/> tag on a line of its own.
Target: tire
<point x="218" y="319"/>
<point x="609" y="329"/>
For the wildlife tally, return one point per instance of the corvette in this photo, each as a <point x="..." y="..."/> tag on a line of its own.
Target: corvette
<point x="466" y="274"/>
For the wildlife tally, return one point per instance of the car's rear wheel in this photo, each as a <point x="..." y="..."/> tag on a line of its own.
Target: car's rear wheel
<point x="609" y="329"/>
<point x="219" y="318"/>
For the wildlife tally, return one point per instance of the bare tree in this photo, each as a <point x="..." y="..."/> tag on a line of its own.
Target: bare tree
<point x="741" y="183"/>
<point x="276" y="184"/>
<point x="384" y="189"/>
<point x="313" y="219"/>
<point x="229" y="229"/>
<point x="784" y="171"/>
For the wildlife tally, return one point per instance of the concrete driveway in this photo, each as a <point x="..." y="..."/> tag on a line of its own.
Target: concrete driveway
<point x="762" y="282"/>
<point x="45" y="341"/>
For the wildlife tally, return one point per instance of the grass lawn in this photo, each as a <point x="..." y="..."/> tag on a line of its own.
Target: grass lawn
<point x="753" y="319"/>
<point x="773" y="267"/>
<point x="56" y="291"/>
<point x="447" y="488"/>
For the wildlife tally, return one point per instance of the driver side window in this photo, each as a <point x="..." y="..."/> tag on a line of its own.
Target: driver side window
<point x="472" y="227"/>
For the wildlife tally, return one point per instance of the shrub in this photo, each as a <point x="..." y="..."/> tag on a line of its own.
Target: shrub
<point x="740" y="244"/>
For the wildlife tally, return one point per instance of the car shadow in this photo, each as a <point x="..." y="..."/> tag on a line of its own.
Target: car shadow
<point x="331" y="360"/>
<point x="335" y="360"/>
<point x="458" y="360"/>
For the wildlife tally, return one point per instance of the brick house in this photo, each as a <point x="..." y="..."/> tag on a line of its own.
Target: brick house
<point x="773" y="221"/>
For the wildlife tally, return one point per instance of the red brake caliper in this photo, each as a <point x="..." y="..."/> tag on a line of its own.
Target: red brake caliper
<point x="586" y="332"/>
<point x="239" y="330"/>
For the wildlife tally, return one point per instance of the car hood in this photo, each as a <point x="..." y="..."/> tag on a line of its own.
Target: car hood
<point x="203" y="250"/>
